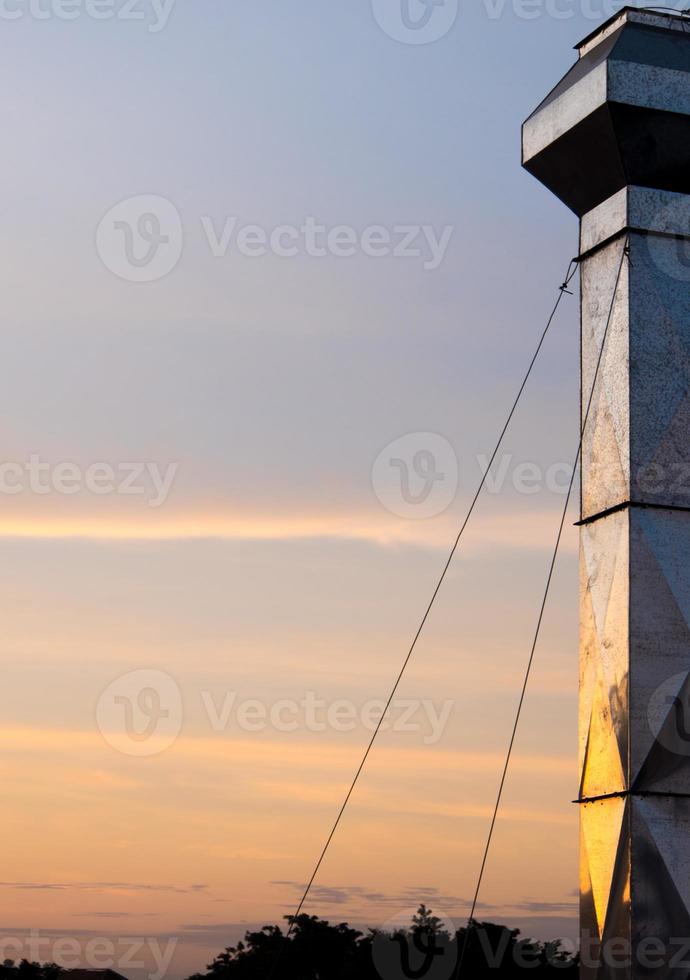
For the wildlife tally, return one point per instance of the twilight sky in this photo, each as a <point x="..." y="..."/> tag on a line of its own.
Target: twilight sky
<point x="222" y="525"/>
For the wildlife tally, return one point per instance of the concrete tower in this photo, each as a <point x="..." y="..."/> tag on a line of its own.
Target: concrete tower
<point x="612" y="141"/>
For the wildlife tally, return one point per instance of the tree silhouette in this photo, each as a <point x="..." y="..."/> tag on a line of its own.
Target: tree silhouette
<point x="424" y="922"/>
<point x="317" y="950"/>
<point x="26" y="970"/>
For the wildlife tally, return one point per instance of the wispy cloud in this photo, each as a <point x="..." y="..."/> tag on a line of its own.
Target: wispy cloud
<point x="99" y="886"/>
<point x="276" y="753"/>
<point x="355" y="895"/>
<point x="333" y="894"/>
<point x="358" y="897"/>
<point x="545" y="908"/>
<point x="513" y="530"/>
<point x="113" y="915"/>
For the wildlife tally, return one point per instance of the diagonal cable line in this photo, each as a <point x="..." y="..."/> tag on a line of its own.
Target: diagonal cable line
<point x="563" y="290"/>
<point x="549" y="578"/>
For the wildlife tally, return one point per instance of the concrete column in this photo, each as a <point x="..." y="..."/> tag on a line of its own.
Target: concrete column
<point x="613" y="142"/>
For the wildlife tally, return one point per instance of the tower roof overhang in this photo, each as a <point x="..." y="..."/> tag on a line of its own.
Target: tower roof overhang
<point x="620" y="116"/>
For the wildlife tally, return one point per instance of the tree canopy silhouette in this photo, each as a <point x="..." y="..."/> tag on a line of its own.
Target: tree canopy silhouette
<point x="317" y="950"/>
<point x="27" y="970"/>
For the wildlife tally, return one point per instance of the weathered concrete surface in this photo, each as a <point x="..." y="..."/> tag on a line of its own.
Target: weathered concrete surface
<point x="636" y="445"/>
<point x="609" y="142"/>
